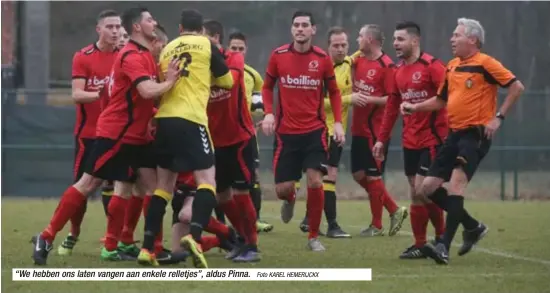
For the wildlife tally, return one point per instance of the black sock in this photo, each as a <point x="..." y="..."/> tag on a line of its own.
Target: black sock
<point x="153" y="221"/>
<point x="439" y="197"/>
<point x="468" y="221"/>
<point x="177" y="205"/>
<point x="330" y="202"/>
<point x="203" y="204"/>
<point x="256" y="194"/>
<point x="220" y="215"/>
<point x="455" y="213"/>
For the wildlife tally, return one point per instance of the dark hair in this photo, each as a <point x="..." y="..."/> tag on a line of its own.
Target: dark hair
<point x="411" y="27"/>
<point x="237" y="36"/>
<point x="214" y="27"/>
<point x="161" y="32"/>
<point x="106" y="13"/>
<point x="131" y="17"/>
<point x="303" y="13"/>
<point x="191" y="20"/>
<point x="335" y="30"/>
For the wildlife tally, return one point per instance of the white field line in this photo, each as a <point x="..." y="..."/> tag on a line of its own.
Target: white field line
<point x="456" y="244"/>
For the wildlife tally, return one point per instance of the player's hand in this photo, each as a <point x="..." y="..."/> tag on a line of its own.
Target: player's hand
<point x="492" y="127"/>
<point x="378" y="151"/>
<point x="268" y="124"/>
<point x="339" y="135"/>
<point x="407" y="108"/>
<point x="173" y="72"/>
<point x="359" y="99"/>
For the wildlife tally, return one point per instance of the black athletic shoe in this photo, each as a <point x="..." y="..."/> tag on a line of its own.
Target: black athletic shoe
<point x="166" y="257"/>
<point x="40" y="250"/>
<point x="304" y="227"/>
<point x="412" y="252"/>
<point x="470" y="238"/>
<point x="334" y="231"/>
<point x="439" y="253"/>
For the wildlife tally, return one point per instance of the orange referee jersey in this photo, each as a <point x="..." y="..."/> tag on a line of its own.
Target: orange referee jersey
<point x="470" y="89"/>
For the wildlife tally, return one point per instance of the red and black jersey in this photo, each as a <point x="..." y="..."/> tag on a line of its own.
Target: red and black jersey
<point x="187" y="179"/>
<point x="371" y="78"/>
<point x="229" y="119"/>
<point x="302" y="79"/>
<point x="415" y="83"/>
<point x="94" y="66"/>
<point x="127" y="114"/>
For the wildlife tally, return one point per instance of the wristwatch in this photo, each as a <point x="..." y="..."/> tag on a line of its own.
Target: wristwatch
<point x="500" y="116"/>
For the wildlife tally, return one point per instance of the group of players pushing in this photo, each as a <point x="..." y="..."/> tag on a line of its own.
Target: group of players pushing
<point x="203" y="108"/>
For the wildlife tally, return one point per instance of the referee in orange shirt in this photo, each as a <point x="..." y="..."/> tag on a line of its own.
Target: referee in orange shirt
<point x="470" y="94"/>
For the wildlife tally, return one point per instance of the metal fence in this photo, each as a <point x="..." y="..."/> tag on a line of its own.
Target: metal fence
<point x="37" y="149"/>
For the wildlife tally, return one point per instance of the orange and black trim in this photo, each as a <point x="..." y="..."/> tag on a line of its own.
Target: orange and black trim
<point x="486" y="75"/>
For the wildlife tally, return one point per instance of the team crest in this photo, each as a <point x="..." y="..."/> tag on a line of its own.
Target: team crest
<point x="416" y="77"/>
<point x="371" y="73"/>
<point x="469" y="83"/>
<point x="313" y="65"/>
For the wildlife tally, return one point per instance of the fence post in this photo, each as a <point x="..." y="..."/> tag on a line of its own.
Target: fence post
<point x="516" y="187"/>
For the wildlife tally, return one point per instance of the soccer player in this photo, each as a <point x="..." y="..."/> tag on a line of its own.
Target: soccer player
<point x="91" y="73"/>
<point x="253" y="84"/>
<point x="470" y="93"/>
<point x="182" y="140"/>
<point x="120" y="146"/>
<point x="417" y="78"/>
<point x="302" y="72"/>
<point x="338" y="47"/>
<point x="233" y="135"/>
<point x="372" y="77"/>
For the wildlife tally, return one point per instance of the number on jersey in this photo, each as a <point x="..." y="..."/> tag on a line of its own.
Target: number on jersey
<point x="186" y="59"/>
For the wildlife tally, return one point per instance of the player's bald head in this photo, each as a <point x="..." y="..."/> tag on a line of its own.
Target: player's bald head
<point x="374" y="31"/>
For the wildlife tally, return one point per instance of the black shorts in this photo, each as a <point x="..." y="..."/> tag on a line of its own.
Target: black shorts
<point x="465" y="148"/>
<point x="235" y="166"/>
<point x="256" y="152"/>
<point x="82" y="151"/>
<point x="334" y="153"/>
<point x="117" y="161"/>
<point x="182" y="145"/>
<point x="295" y="153"/>
<point x="418" y="161"/>
<point x="362" y="158"/>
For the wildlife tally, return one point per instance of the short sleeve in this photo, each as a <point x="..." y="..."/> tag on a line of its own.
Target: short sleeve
<point x="133" y="66"/>
<point x="443" y="90"/>
<point x="498" y="72"/>
<point x="80" y="67"/>
<point x="329" y="68"/>
<point x="272" y="70"/>
<point x="217" y="62"/>
<point x="437" y="73"/>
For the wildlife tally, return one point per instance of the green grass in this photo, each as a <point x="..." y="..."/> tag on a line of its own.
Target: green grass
<point x="513" y="257"/>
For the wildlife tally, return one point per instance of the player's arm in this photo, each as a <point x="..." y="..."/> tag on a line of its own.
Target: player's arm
<point x="334" y="94"/>
<point x="506" y="79"/>
<point x="220" y="71"/>
<point x="271" y="76"/>
<point x="80" y="75"/>
<point x="140" y="76"/>
<point x="391" y="112"/>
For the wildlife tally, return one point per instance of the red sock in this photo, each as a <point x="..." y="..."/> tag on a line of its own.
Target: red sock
<point x="437" y="218"/>
<point x="234" y="214"/>
<point x="315" y="205"/>
<point x="217" y="228"/>
<point x="419" y="223"/>
<point x="76" y="220"/>
<point x="209" y="242"/>
<point x="131" y="218"/>
<point x="115" y="221"/>
<point x="70" y="202"/>
<point x="249" y="216"/>
<point x="376" y="199"/>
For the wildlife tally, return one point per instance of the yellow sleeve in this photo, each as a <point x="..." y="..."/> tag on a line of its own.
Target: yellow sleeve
<point x="355" y="55"/>
<point x="258" y="82"/>
<point x="346" y="100"/>
<point x="225" y="81"/>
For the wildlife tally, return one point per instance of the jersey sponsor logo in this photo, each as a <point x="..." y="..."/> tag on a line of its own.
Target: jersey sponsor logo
<point x="300" y="82"/>
<point x="413" y="96"/>
<point x="218" y="95"/>
<point x="363" y="87"/>
<point x="95" y="83"/>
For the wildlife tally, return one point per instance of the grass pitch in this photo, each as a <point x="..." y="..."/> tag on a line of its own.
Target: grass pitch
<point x="514" y="257"/>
